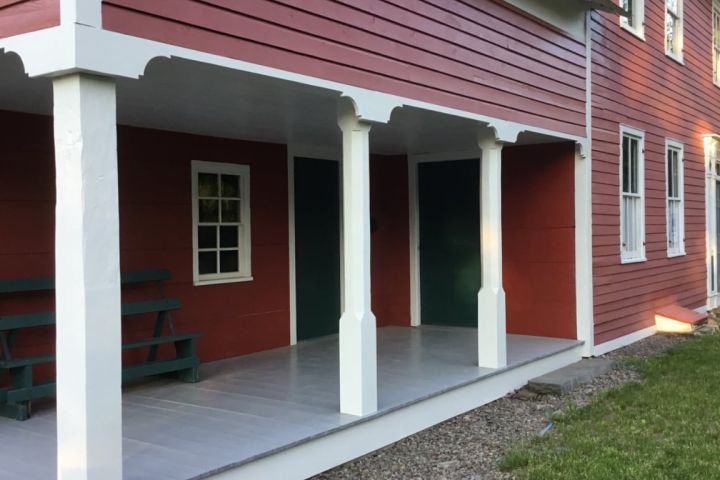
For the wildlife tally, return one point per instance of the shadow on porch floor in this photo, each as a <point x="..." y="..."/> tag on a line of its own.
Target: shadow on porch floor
<point x="251" y="406"/>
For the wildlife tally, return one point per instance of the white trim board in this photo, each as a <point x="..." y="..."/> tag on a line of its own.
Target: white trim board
<point x="315" y="456"/>
<point x="623" y="341"/>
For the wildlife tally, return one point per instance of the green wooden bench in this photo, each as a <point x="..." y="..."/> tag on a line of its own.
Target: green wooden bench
<point x="15" y="400"/>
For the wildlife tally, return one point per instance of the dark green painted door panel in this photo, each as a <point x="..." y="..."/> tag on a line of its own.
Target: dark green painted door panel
<point x="449" y="213"/>
<point x="317" y="247"/>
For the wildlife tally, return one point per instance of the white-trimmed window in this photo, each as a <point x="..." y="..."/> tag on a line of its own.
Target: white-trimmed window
<point x="632" y="199"/>
<point x="674" y="29"/>
<point x="674" y="196"/>
<point x="221" y="222"/>
<point x="635" y="21"/>
<point x="716" y="41"/>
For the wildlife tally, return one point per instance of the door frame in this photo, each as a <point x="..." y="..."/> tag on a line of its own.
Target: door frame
<point x="320" y="153"/>
<point x="712" y="145"/>
<point x="414" y="220"/>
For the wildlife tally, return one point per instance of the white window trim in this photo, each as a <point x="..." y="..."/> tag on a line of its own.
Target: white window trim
<point x="640" y="134"/>
<point x="639" y="29"/>
<point x="679" y="252"/>
<point x="245" y="253"/>
<point x="678" y="57"/>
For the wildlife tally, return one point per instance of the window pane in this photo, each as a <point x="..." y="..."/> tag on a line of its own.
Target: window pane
<point x="626" y="164"/>
<point x="230" y="211"/>
<point x="676" y="175"/>
<point x="634" y="147"/>
<point x="207" y="237"/>
<point x="228" y="237"/>
<point x="207" y="185"/>
<point x="208" y="210"/>
<point x="229" y="261"/>
<point x="207" y="262"/>
<point x="230" y="186"/>
<point x="670" y="176"/>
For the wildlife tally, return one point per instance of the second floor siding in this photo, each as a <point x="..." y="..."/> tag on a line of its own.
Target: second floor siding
<point x="480" y="56"/>
<point x="635" y="83"/>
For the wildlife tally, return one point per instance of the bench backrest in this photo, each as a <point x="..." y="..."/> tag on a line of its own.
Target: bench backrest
<point x="48" y="283"/>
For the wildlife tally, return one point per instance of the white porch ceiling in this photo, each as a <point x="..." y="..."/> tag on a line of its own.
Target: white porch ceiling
<point x="191" y="97"/>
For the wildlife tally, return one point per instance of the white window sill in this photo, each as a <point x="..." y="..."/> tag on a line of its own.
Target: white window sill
<point x="676" y="58"/>
<point x="676" y="254"/>
<point x="200" y="283"/>
<point x="716" y="83"/>
<point x="637" y="32"/>
<point x="633" y="260"/>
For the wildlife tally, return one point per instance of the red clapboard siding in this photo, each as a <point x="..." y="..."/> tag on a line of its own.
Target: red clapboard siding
<point x="476" y="55"/>
<point x="636" y="84"/>
<point x="156" y="232"/>
<point x="539" y="241"/>
<point x="23" y="16"/>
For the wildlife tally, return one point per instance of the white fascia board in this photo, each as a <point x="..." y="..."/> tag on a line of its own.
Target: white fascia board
<point x="623" y="341"/>
<point x="79" y="48"/>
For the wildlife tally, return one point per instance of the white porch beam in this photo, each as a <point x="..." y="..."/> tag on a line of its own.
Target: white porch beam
<point x="492" y="341"/>
<point x="358" y="356"/>
<point x="84" y="12"/>
<point x="87" y="271"/>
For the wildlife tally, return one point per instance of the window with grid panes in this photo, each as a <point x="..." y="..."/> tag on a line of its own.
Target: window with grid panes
<point x="635" y="18"/>
<point x="632" y="228"/>
<point x="674" y="190"/>
<point x="221" y="222"/>
<point x="673" y="28"/>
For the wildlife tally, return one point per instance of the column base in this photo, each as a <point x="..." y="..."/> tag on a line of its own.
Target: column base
<point x="358" y="363"/>
<point x="492" y="336"/>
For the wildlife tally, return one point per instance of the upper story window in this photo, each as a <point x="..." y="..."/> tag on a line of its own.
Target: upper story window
<point x="632" y="201"/>
<point x="674" y="193"/>
<point x="674" y="29"/>
<point x="635" y="21"/>
<point x="716" y="42"/>
<point x="221" y="222"/>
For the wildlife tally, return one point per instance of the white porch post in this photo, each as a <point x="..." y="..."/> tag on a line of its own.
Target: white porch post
<point x="87" y="272"/>
<point x="358" y="362"/>
<point x="492" y="342"/>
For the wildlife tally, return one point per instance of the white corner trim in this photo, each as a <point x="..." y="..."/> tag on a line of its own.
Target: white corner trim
<point x="84" y="12"/>
<point x="623" y="341"/>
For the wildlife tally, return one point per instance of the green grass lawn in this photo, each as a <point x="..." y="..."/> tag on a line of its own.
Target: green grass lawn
<point x="666" y="427"/>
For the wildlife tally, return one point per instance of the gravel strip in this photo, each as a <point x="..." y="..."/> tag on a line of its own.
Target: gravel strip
<point x="469" y="445"/>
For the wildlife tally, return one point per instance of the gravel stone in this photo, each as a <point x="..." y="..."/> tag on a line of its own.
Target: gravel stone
<point x="470" y="445"/>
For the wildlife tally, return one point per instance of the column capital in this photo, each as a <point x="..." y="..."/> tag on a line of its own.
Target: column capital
<point x="348" y="118"/>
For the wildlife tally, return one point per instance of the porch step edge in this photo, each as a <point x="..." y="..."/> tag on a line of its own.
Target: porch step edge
<point x="566" y="379"/>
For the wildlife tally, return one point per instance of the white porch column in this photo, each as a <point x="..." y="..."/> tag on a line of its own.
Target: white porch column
<point x="492" y="341"/>
<point x="358" y="362"/>
<point x="87" y="272"/>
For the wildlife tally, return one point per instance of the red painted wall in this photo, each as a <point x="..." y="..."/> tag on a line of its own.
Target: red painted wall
<point x="476" y="55"/>
<point x="635" y="83"/>
<point x="156" y="232"/>
<point x="390" y="240"/>
<point x="539" y="239"/>
<point x="22" y="16"/>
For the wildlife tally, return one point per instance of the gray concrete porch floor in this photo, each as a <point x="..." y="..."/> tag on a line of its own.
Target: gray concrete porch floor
<point x="251" y="406"/>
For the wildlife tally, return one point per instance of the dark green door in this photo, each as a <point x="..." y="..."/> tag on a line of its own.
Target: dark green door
<point x="449" y="212"/>
<point x="317" y="247"/>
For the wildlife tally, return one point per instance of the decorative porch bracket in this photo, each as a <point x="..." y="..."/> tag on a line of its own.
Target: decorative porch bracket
<point x="87" y="270"/>
<point x="492" y="336"/>
<point x="358" y="356"/>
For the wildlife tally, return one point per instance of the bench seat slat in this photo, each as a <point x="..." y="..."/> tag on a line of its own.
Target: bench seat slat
<point x="148" y="342"/>
<point x="25" y="361"/>
<point x="12" y="322"/>
<point x="38" y="284"/>
<point x="158" y="367"/>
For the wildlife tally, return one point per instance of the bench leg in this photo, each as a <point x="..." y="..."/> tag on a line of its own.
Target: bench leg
<point x="186" y="349"/>
<point x="21" y="377"/>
